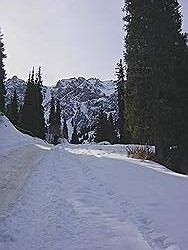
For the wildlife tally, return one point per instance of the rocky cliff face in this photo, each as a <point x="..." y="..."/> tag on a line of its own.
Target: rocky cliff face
<point x="19" y="85"/>
<point x="80" y="98"/>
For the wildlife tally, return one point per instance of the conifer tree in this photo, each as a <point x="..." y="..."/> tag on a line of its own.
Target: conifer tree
<point x="75" y="138"/>
<point x="58" y="113"/>
<point x="51" y="119"/>
<point x="58" y="119"/>
<point x="138" y="84"/>
<point x="27" y="114"/>
<point x="20" y="114"/>
<point x="156" y="74"/>
<point x="65" y="130"/>
<point x="101" y="130"/>
<point x="32" y="116"/>
<point x="111" y="132"/>
<point x="2" y="75"/>
<point x="120" y="89"/>
<point x="40" y="130"/>
<point x="54" y="121"/>
<point x="13" y="112"/>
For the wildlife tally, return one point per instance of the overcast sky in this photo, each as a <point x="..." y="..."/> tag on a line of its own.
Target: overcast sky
<point x="68" y="38"/>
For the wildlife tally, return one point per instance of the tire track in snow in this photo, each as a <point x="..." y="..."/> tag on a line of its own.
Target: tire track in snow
<point x="155" y="240"/>
<point x="46" y="217"/>
<point x="99" y="202"/>
<point x="42" y="218"/>
<point x="64" y="206"/>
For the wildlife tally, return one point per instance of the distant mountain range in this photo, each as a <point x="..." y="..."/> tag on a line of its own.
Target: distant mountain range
<point x="80" y="98"/>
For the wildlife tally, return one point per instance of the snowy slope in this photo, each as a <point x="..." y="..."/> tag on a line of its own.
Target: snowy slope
<point x="18" y="154"/>
<point x="10" y="136"/>
<point x="92" y="197"/>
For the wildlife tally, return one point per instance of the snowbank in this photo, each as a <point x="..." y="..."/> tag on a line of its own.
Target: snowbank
<point x="19" y="153"/>
<point x="10" y="136"/>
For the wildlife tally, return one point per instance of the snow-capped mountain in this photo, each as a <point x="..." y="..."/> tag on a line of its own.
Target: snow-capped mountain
<point x="80" y="98"/>
<point x="18" y="84"/>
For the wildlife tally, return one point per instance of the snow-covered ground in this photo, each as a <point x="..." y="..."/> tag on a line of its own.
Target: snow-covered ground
<point x="19" y="153"/>
<point x="91" y="197"/>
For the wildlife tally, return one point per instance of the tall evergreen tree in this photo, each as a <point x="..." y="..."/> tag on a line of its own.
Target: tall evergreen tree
<point x="111" y="132"/>
<point x="65" y="130"/>
<point x="32" y="116"/>
<point x="120" y="89"/>
<point x="27" y="114"/>
<point x="51" y="120"/>
<point x="156" y="74"/>
<point x="138" y="85"/>
<point x="40" y="126"/>
<point x="58" y="113"/>
<point x="54" y="121"/>
<point x="75" y="138"/>
<point x="101" y="130"/>
<point x="58" y="119"/>
<point x="13" y="110"/>
<point x="2" y="75"/>
<point x="181" y="155"/>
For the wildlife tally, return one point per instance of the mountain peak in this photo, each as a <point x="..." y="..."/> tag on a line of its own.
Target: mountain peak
<point x="80" y="98"/>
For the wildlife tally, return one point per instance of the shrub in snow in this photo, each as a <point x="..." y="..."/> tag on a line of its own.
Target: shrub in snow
<point x="143" y="152"/>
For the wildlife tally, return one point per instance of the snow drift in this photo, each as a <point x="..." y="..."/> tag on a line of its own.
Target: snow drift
<point x="18" y="154"/>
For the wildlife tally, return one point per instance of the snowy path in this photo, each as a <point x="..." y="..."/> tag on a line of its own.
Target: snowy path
<point x="70" y="203"/>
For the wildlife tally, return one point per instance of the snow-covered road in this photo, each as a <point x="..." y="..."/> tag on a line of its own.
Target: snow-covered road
<point x="92" y="197"/>
<point x="16" y="165"/>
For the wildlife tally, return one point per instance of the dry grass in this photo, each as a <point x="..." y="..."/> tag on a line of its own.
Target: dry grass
<point x="141" y="152"/>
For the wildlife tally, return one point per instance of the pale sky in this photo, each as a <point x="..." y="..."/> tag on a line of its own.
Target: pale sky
<point x="68" y="38"/>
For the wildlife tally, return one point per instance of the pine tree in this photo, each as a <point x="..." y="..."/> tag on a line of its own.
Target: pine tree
<point x="101" y="130"/>
<point x="181" y="156"/>
<point x="2" y="75"/>
<point x="58" y="113"/>
<point x="65" y="130"/>
<point x="20" y="114"/>
<point x="51" y="120"/>
<point x="27" y="120"/>
<point x="156" y="75"/>
<point x="40" y="126"/>
<point x="138" y="85"/>
<point x="111" y="132"/>
<point x="58" y="120"/>
<point x="13" y="109"/>
<point x="32" y="116"/>
<point x="120" y="89"/>
<point x="75" y="138"/>
<point x="54" y="121"/>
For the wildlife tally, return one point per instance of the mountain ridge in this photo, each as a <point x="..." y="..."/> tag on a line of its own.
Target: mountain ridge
<point x="80" y="98"/>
